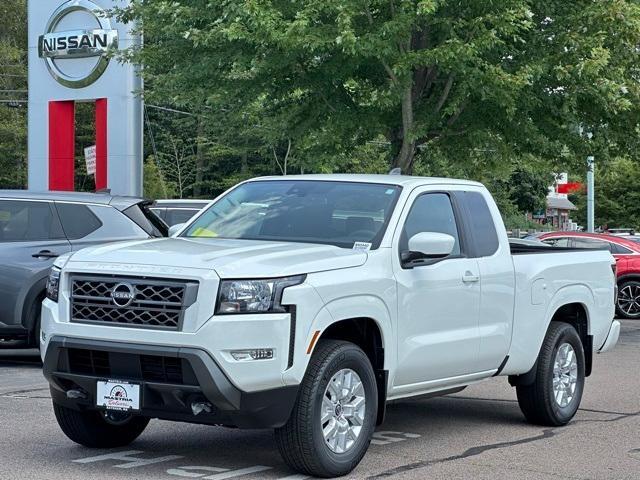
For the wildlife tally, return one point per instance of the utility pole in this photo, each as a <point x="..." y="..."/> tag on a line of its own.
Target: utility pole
<point x="590" y="194"/>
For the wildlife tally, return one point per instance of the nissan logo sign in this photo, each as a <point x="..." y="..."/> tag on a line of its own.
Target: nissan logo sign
<point x="55" y="47"/>
<point x="123" y="294"/>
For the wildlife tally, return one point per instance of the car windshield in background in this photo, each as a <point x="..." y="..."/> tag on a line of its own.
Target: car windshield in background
<point x="333" y="213"/>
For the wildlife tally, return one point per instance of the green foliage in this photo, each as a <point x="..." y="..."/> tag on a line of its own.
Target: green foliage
<point x="155" y="186"/>
<point x="617" y="199"/>
<point x="434" y="79"/>
<point x="13" y="83"/>
<point x="528" y="189"/>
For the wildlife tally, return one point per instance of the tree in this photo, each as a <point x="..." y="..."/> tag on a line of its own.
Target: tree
<point x="617" y="195"/>
<point x="13" y="85"/>
<point x="529" y="189"/>
<point x="443" y="76"/>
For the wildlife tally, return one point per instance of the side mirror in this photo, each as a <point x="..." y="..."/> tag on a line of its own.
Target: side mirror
<point x="173" y="229"/>
<point x="429" y="245"/>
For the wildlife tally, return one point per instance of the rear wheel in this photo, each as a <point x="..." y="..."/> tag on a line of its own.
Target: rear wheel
<point x="332" y="422"/>
<point x="628" y="305"/>
<point x="97" y="429"/>
<point x="554" y="397"/>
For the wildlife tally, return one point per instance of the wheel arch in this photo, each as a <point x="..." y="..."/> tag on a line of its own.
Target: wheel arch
<point x="366" y="321"/>
<point x="366" y="333"/>
<point x="35" y="294"/>
<point x="575" y="313"/>
<point x="628" y="276"/>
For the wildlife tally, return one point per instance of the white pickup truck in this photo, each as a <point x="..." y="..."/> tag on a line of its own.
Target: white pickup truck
<point x="306" y="303"/>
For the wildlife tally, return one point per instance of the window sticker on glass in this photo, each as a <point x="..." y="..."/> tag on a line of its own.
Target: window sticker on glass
<point x="204" y="232"/>
<point x="389" y="191"/>
<point x="363" y="246"/>
<point x="5" y="216"/>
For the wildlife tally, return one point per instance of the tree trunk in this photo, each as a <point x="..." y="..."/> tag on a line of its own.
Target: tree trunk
<point x="197" y="187"/>
<point x="404" y="158"/>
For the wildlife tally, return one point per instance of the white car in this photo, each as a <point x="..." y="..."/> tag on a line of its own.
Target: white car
<point x="306" y="303"/>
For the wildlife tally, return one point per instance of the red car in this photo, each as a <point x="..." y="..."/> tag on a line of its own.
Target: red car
<point x="627" y="255"/>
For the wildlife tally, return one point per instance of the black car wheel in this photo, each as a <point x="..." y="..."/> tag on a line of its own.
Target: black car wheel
<point x="334" y="417"/>
<point x="628" y="305"/>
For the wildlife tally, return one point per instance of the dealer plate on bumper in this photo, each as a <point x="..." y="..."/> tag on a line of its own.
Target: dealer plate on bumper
<point x="117" y="395"/>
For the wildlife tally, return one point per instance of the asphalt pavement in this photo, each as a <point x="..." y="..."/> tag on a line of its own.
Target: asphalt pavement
<point x="478" y="433"/>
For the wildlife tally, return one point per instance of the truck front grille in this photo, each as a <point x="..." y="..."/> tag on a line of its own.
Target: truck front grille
<point x="129" y="301"/>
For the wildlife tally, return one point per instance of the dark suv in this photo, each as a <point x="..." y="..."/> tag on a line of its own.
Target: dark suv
<point x="35" y="228"/>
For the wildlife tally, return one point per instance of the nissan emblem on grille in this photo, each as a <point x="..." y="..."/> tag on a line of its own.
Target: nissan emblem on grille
<point x="123" y="294"/>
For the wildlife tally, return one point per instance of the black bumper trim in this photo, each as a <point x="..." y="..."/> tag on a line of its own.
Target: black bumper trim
<point x="232" y="406"/>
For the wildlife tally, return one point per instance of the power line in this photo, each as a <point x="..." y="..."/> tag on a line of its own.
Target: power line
<point x="153" y="142"/>
<point x="166" y="109"/>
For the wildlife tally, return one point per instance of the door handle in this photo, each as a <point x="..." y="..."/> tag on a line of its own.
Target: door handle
<point x="45" y="254"/>
<point x="469" y="277"/>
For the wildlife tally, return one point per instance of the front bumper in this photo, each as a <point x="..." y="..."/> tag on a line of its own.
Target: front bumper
<point x="171" y="380"/>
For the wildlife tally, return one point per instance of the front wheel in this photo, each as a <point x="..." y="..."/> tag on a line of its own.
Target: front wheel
<point x="98" y="429"/>
<point x="554" y="397"/>
<point x="334" y="417"/>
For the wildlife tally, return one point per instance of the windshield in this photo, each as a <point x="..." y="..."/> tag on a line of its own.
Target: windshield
<point x="333" y="213"/>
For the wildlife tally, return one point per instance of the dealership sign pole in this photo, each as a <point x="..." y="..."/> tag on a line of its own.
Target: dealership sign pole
<point x="71" y="44"/>
<point x="590" y="194"/>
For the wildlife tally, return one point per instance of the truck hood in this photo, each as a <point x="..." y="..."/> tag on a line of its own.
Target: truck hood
<point x="229" y="258"/>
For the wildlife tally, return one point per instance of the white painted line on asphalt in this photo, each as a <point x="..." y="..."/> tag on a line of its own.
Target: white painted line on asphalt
<point x="385" y="438"/>
<point x="132" y="459"/>
<point x="189" y="472"/>
<point x="127" y="456"/>
<point x="238" y="473"/>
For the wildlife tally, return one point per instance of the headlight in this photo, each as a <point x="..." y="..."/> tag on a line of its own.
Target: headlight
<point x="53" y="283"/>
<point x="254" y="296"/>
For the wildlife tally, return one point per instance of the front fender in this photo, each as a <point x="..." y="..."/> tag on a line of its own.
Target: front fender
<point x="529" y="331"/>
<point x="357" y="306"/>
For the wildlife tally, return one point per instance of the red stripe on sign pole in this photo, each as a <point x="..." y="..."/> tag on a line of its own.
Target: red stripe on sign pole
<point x="61" y="145"/>
<point x="101" y="143"/>
<point x="570" y="187"/>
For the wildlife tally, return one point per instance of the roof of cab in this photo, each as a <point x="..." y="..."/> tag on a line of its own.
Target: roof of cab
<point x="119" y="202"/>
<point x="401" y="180"/>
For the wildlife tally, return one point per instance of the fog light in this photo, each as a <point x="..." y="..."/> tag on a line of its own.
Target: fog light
<point x="255" y="354"/>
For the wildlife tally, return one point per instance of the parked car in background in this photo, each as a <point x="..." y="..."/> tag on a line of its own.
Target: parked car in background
<point x="175" y="212"/>
<point x="627" y="254"/>
<point x="527" y="242"/>
<point x="35" y="228"/>
<point x="621" y="231"/>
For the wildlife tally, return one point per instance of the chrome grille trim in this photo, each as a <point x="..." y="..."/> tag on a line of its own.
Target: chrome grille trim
<point x="156" y="304"/>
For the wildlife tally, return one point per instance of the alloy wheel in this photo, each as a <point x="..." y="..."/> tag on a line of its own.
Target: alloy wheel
<point x="343" y="410"/>
<point x="565" y="375"/>
<point x="629" y="300"/>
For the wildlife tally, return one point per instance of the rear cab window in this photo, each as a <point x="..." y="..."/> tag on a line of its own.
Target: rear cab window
<point x="481" y="224"/>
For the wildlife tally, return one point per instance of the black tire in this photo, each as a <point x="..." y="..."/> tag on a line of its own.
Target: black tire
<point x="537" y="401"/>
<point x="301" y="441"/>
<point x="35" y="338"/>
<point x="35" y="314"/>
<point x="91" y="429"/>
<point x="628" y="291"/>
